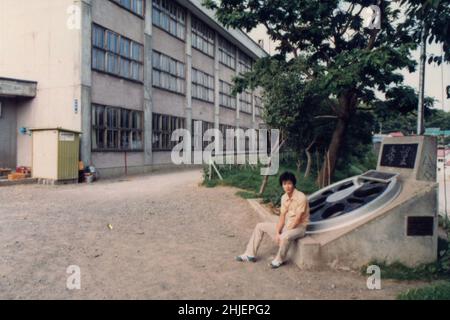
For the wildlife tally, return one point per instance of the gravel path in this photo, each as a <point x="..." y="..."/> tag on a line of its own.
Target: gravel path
<point x="171" y="239"/>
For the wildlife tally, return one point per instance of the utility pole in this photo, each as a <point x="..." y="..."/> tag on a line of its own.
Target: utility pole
<point x="423" y="58"/>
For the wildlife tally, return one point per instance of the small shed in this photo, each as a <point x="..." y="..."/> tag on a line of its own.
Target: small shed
<point x="56" y="153"/>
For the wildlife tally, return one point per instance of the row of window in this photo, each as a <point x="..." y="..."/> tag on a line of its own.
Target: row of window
<point x="117" y="55"/>
<point x="119" y="129"/>
<point x="202" y="37"/>
<point x="201" y="127"/>
<point x="232" y="139"/>
<point x="246" y="101"/>
<point x="163" y="127"/>
<point x="168" y="73"/>
<point x="227" y="53"/>
<point x="245" y="63"/>
<point x="116" y="129"/>
<point x="202" y="85"/>
<point x="258" y="106"/>
<point x="226" y="97"/>
<point x="136" y="6"/>
<point x="170" y="17"/>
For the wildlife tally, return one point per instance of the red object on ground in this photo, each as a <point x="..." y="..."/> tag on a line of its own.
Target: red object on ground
<point x="24" y="170"/>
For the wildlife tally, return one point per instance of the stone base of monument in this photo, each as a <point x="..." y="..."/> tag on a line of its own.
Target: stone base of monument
<point x="353" y="225"/>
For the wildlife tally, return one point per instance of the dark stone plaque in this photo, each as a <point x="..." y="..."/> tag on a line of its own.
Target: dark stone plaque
<point x="420" y="226"/>
<point x="399" y="155"/>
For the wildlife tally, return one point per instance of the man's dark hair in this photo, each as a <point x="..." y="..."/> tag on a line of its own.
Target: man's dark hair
<point x="288" y="176"/>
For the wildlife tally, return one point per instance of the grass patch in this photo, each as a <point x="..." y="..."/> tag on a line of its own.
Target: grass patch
<point x="249" y="178"/>
<point x="438" y="291"/>
<point x="399" y="271"/>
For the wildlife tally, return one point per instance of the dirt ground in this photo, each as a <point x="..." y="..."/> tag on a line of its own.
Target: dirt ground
<point x="170" y="239"/>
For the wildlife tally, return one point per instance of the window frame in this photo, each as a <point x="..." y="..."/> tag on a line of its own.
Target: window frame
<point x="223" y="43"/>
<point x="176" y="70"/>
<point x="200" y="84"/>
<point x="136" y="13"/>
<point x="246" y="102"/>
<point x="116" y="53"/>
<point x="227" y="94"/>
<point x="201" y="31"/>
<point x="163" y="125"/>
<point x="244" y="62"/>
<point x="163" y="8"/>
<point x="116" y="129"/>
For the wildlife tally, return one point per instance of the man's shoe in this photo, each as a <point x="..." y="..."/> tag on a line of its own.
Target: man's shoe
<point x="276" y="264"/>
<point x="245" y="258"/>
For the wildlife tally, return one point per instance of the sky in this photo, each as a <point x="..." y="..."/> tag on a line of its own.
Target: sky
<point x="437" y="78"/>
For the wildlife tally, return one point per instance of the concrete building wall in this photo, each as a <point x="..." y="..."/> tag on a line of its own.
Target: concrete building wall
<point x="246" y="120"/>
<point x="54" y="48"/>
<point x="8" y="129"/>
<point x="202" y="110"/>
<point x="44" y="47"/>
<point x="202" y="62"/>
<point x="227" y="116"/>
<point x="114" y="91"/>
<point x="165" y="102"/>
<point x="226" y="74"/>
<point x="111" y="16"/>
<point x="166" y="43"/>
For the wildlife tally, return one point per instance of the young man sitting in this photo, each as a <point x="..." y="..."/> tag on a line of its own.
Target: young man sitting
<point x="294" y="217"/>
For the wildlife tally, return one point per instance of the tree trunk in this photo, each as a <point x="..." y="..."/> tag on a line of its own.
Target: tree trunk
<point x="266" y="178"/>
<point x="299" y="166"/>
<point x="331" y="156"/>
<point x="347" y="107"/>
<point x="309" y="158"/>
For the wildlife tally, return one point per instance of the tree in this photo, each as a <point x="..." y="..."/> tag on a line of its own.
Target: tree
<point x="344" y="63"/>
<point x="283" y="90"/>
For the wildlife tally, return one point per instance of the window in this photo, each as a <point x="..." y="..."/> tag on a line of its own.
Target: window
<point x="202" y="37"/>
<point x="226" y="98"/>
<point x="258" y="106"/>
<point x="116" y="129"/>
<point x="245" y="63"/>
<point x="168" y="73"/>
<point x="227" y="53"/>
<point x="135" y="6"/>
<point x="223" y="129"/>
<point x="98" y="59"/>
<point x="112" y="41"/>
<point x="246" y="102"/>
<point x="171" y="17"/>
<point x="203" y="126"/>
<point x="98" y="36"/>
<point x="125" y="47"/>
<point x="163" y="127"/>
<point x="116" y="55"/>
<point x="202" y="86"/>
